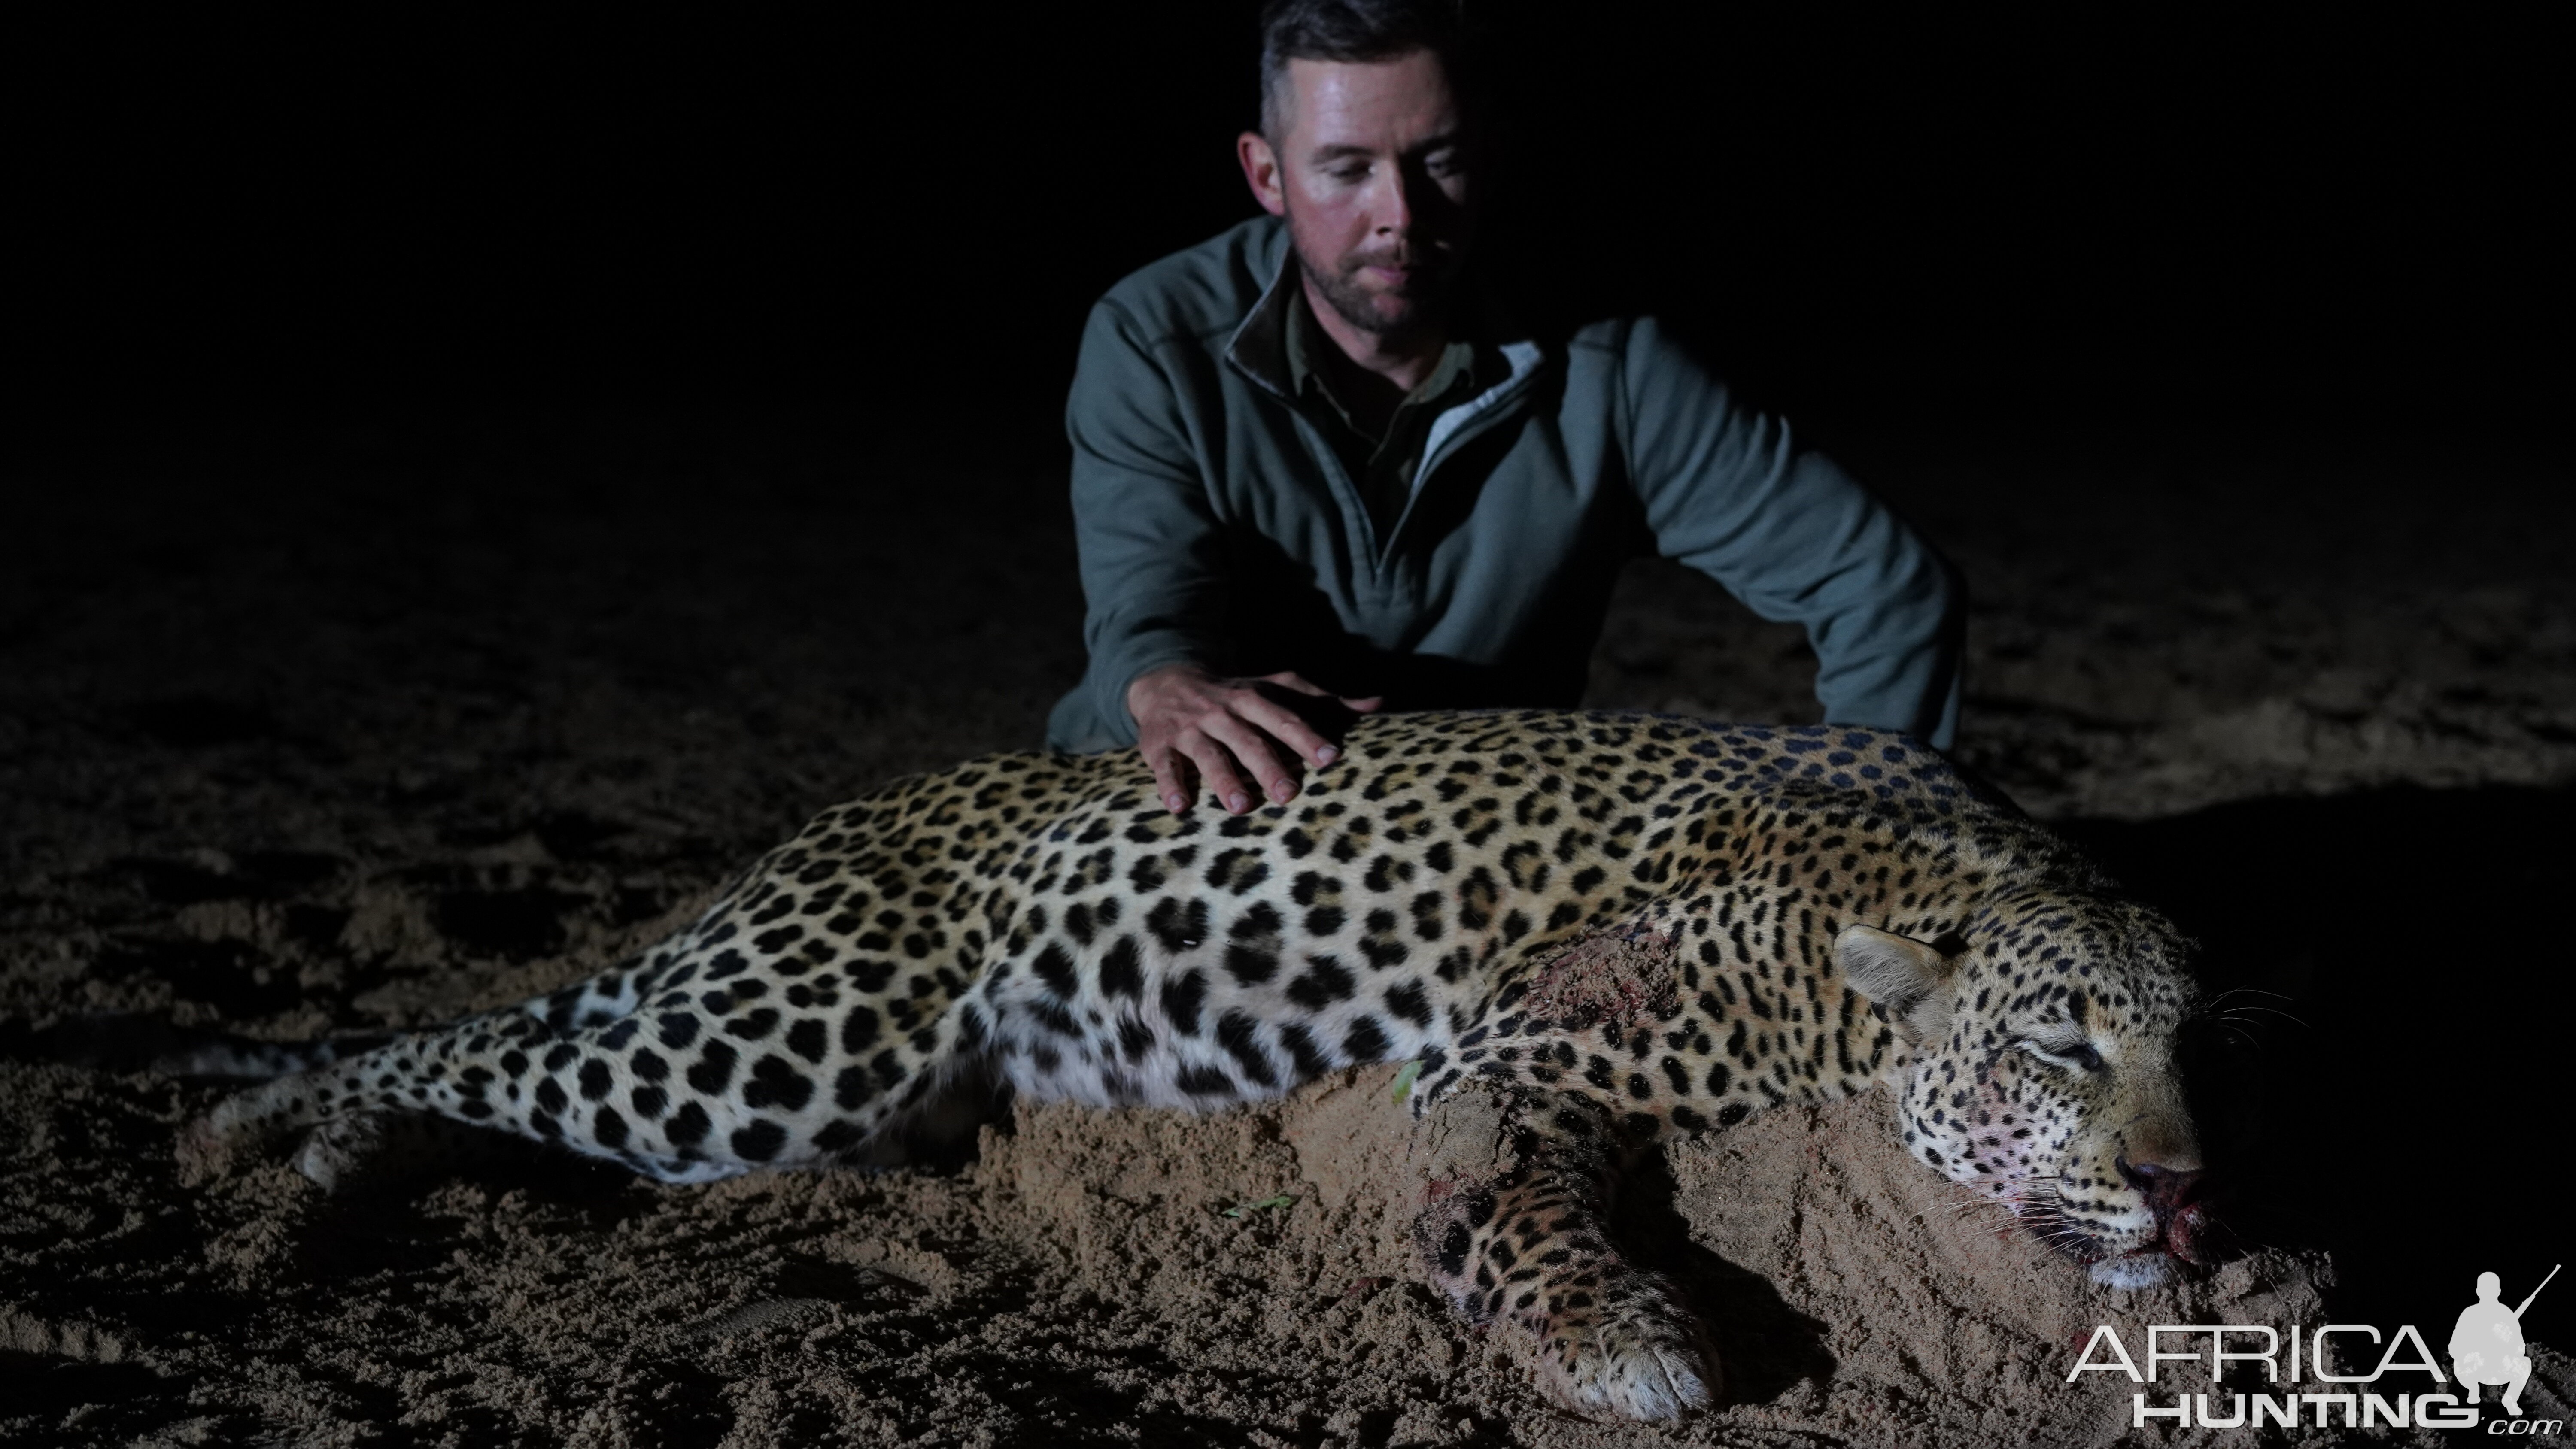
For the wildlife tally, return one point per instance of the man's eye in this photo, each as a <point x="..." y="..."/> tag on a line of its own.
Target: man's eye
<point x="1348" y="174"/>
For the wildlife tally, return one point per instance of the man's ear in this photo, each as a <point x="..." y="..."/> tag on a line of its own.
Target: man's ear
<point x="1899" y="974"/>
<point x="1261" y="172"/>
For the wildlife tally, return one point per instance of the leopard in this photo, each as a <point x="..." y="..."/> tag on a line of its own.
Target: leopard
<point x="1632" y="928"/>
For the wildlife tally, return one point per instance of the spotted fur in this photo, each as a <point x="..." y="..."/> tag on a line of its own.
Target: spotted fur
<point x="1632" y="926"/>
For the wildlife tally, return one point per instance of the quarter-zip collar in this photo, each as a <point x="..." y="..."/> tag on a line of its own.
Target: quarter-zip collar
<point x="1258" y="350"/>
<point x="1259" y="346"/>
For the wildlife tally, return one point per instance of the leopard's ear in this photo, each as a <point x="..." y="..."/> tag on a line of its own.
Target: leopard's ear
<point x="1900" y="975"/>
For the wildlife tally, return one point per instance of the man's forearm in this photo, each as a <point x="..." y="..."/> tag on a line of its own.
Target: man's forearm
<point x="1151" y="571"/>
<point x="1729" y="492"/>
<point x="1892" y="658"/>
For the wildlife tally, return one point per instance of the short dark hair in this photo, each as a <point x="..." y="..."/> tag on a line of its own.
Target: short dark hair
<point x="1358" y="30"/>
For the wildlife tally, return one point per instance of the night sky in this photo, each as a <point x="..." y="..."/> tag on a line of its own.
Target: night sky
<point x="1985" y="224"/>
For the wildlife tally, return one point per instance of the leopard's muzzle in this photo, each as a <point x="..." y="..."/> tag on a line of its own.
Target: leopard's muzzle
<point x="2187" y="1225"/>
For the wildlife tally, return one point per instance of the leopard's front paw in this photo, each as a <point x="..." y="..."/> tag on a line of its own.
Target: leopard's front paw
<point x="1621" y="1352"/>
<point x="1524" y="1251"/>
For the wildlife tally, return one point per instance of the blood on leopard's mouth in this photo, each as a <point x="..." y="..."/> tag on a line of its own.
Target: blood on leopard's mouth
<point x="2195" y="1235"/>
<point x="2190" y="1239"/>
<point x="2188" y="1235"/>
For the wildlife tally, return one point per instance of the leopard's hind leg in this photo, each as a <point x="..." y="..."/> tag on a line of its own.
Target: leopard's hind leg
<point x="1527" y="1251"/>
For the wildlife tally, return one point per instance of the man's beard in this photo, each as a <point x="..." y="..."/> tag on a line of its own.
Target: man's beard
<point x="1423" y="295"/>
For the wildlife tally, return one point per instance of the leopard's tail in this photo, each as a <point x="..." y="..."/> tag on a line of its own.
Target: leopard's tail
<point x="406" y="1091"/>
<point x="676" y="1075"/>
<point x="341" y="1084"/>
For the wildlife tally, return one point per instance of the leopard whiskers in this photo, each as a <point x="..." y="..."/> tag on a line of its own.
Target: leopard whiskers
<point x="2243" y="1011"/>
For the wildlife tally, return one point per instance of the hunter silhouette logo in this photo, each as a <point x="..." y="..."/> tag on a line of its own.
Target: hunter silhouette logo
<point x="2486" y="1347"/>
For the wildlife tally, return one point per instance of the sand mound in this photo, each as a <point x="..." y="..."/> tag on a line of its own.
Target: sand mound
<point x="1095" y="1277"/>
<point x="1853" y="1297"/>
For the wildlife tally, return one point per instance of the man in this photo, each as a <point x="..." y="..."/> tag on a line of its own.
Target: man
<point x="2486" y="1345"/>
<point x="1313" y="467"/>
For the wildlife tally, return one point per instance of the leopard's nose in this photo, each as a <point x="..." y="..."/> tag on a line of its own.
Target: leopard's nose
<point x="2176" y="1195"/>
<point x="2161" y="1183"/>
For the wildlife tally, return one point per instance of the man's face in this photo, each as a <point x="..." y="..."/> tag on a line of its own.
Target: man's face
<point x="1371" y="172"/>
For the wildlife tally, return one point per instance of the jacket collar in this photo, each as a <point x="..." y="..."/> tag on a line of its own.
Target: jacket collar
<point x="1259" y="347"/>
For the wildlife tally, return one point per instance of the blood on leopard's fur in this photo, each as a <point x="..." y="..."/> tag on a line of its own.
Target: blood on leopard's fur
<point x="1634" y="926"/>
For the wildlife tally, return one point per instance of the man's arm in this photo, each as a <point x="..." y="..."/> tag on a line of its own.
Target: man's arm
<point x="1727" y="492"/>
<point x="1152" y="579"/>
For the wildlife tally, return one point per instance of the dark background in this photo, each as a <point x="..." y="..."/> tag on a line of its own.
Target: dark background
<point x="1911" y="235"/>
<point x="1995" y="223"/>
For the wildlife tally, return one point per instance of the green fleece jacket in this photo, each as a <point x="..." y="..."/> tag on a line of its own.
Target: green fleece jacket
<point x="1218" y="525"/>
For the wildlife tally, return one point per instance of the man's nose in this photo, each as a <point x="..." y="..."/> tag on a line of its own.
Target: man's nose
<point x="1395" y="206"/>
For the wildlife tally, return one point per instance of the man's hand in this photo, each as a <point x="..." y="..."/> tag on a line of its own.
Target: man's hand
<point x="1193" y="726"/>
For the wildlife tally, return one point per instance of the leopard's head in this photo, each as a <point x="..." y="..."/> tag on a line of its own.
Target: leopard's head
<point x="2041" y="1072"/>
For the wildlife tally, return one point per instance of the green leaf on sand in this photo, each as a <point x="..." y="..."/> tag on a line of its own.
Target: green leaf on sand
<point x="1404" y="1079"/>
<point x="1281" y="1201"/>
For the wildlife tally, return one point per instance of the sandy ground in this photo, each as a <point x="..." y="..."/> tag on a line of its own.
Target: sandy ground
<point x="304" y="736"/>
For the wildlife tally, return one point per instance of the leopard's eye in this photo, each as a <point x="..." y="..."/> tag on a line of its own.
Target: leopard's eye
<point x="2073" y="1056"/>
